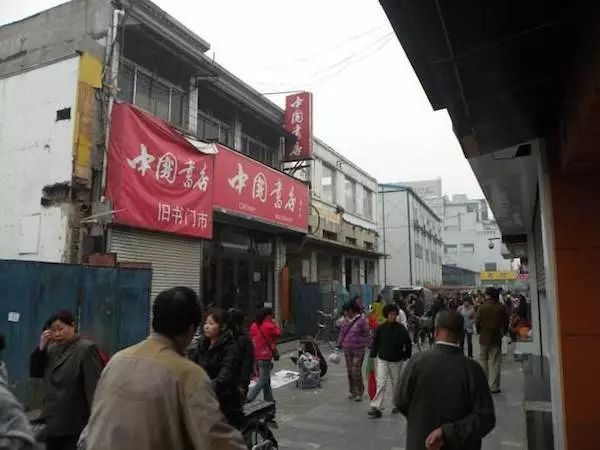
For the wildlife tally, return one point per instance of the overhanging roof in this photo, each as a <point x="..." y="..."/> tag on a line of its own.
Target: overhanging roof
<point x="499" y="67"/>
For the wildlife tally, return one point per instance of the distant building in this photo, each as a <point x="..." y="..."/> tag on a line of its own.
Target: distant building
<point x="468" y="235"/>
<point x="430" y="191"/>
<point x="410" y="237"/>
<point x="340" y="251"/>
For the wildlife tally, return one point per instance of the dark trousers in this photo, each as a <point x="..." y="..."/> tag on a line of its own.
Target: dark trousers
<point x="469" y="338"/>
<point x="68" y="442"/>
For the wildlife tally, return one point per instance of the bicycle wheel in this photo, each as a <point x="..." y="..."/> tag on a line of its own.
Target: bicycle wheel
<point x="259" y="437"/>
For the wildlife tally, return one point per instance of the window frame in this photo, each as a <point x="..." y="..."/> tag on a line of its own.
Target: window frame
<point x="352" y="182"/>
<point x="172" y="87"/>
<point x="332" y="197"/>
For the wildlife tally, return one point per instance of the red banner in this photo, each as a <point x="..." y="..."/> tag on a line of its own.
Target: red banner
<point x="248" y="188"/>
<point x="156" y="179"/>
<point x="298" y="121"/>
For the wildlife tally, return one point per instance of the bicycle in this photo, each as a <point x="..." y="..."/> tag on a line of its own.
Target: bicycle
<point x="255" y="430"/>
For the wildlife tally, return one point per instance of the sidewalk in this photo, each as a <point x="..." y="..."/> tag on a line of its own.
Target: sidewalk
<point x="325" y="419"/>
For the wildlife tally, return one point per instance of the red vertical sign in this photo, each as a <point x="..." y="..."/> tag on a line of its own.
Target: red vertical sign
<point x="298" y="121"/>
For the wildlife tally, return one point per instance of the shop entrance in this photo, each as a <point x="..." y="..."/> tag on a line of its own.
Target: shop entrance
<point x="238" y="270"/>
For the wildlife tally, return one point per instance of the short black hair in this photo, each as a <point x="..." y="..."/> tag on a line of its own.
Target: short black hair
<point x="176" y="310"/>
<point x="387" y="309"/>
<point x="236" y="319"/>
<point x="492" y="292"/>
<point x="63" y="316"/>
<point x="262" y="315"/>
<point x="351" y="306"/>
<point x="451" y="321"/>
<point x="218" y="315"/>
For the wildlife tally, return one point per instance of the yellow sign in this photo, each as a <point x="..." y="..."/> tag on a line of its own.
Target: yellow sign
<point x="498" y="276"/>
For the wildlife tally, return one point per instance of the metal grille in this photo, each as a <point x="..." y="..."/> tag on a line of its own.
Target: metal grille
<point x="176" y="261"/>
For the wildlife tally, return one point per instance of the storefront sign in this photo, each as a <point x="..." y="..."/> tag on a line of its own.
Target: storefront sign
<point x="498" y="276"/>
<point x="156" y="179"/>
<point x="298" y="121"/>
<point x="245" y="187"/>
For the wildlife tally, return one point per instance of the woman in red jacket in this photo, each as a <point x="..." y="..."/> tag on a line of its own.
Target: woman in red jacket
<point x="264" y="334"/>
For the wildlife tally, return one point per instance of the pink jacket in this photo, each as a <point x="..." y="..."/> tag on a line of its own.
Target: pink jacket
<point x="270" y="332"/>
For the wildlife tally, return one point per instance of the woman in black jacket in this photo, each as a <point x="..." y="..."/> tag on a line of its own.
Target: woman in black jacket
<point x="218" y="354"/>
<point x="71" y="367"/>
<point x="245" y="347"/>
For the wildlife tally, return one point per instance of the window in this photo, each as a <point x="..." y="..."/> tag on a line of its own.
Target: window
<point x="451" y="249"/>
<point x="328" y="184"/>
<point x="329" y="235"/>
<point x="368" y="203"/>
<point x="427" y="255"/>
<point x="257" y="150"/>
<point x="471" y="208"/>
<point x="350" y="194"/>
<point x="214" y="130"/>
<point x="369" y="245"/>
<point x="155" y="96"/>
<point x="491" y="267"/>
<point x="467" y="248"/>
<point x="350" y="241"/>
<point x="418" y="251"/>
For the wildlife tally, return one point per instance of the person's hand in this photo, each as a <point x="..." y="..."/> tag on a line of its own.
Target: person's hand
<point x="435" y="440"/>
<point x="45" y="339"/>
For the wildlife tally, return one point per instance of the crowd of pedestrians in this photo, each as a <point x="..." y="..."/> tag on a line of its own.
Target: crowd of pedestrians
<point x="166" y="392"/>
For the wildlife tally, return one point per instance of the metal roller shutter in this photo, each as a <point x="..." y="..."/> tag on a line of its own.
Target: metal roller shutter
<point x="176" y="261"/>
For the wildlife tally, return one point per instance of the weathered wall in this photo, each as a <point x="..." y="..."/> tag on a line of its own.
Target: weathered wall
<point x="36" y="151"/>
<point x="79" y="25"/>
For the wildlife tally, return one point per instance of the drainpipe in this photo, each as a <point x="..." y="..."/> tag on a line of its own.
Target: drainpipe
<point x="113" y="82"/>
<point x="384" y="237"/>
<point x="410" y="271"/>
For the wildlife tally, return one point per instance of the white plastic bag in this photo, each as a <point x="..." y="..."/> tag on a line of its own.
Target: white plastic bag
<point x="334" y="357"/>
<point x="505" y="342"/>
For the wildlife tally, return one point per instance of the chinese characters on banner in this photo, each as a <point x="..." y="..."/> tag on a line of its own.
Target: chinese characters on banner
<point x="298" y="121"/>
<point x="246" y="187"/>
<point x="156" y="179"/>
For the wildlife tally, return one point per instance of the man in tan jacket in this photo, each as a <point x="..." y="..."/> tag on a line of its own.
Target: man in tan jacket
<point x="151" y="397"/>
<point x="491" y="323"/>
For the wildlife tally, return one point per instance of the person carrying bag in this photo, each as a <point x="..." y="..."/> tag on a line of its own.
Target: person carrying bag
<point x="264" y="333"/>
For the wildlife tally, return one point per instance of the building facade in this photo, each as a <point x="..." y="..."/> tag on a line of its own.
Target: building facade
<point x="410" y="238"/>
<point x="430" y="191"/>
<point x="340" y="251"/>
<point x="64" y="69"/>
<point x="526" y="115"/>
<point x="471" y="240"/>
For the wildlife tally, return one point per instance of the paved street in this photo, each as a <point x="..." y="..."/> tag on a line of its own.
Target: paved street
<point x="326" y="419"/>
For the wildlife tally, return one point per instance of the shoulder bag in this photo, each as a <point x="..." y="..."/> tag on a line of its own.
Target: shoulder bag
<point x="274" y="352"/>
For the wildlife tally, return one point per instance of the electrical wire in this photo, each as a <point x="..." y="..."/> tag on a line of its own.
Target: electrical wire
<point x="326" y="51"/>
<point x="333" y="70"/>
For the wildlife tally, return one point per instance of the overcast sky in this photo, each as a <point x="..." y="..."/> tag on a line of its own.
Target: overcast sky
<point x="368" y="103"/>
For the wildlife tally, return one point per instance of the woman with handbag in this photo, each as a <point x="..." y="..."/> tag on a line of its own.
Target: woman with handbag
<point x="355" y="337"/>
<point x="264" y="333"/>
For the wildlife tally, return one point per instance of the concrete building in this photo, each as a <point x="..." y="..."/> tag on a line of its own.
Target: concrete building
<point x="521" y="88"/>
<point x="60" y="72"/>
<point x="430" y="191"/>
<point x="471" y="240"/>
<point x="340" y="252"/>
<point x="410" y="237"/>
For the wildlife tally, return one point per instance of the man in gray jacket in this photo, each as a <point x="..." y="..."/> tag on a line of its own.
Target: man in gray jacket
<point x="444" y="395"/>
